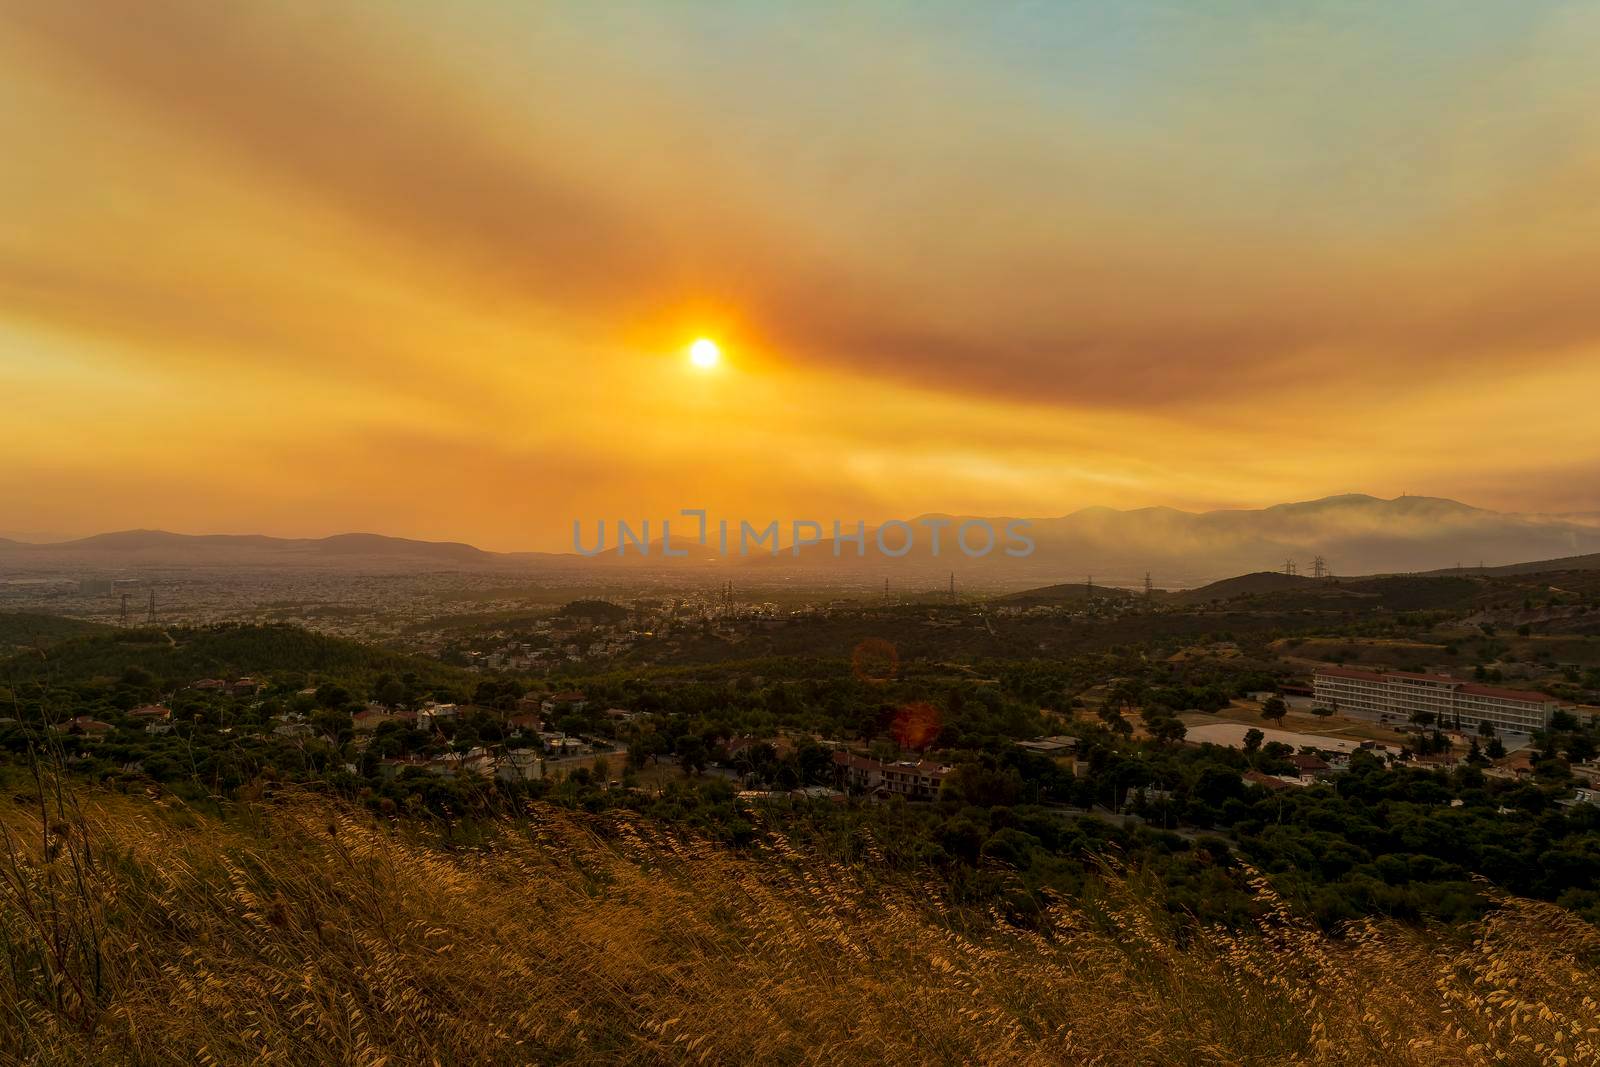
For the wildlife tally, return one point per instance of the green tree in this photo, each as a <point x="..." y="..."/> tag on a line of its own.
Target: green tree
<point x="691" y="752"/>
<point x="1168" y="729"/>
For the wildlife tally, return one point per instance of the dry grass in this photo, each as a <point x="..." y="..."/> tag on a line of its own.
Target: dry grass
<point x="135" y="931"/>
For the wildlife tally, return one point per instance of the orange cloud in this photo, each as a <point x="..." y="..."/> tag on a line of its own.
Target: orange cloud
<point x="362" y="255"/>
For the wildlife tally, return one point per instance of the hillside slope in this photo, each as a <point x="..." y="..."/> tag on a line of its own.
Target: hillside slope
<point x="302" y="932"/>
<point x="1588" y="562"/>
<point x="180" y="654"/>
<point x="24" y="630"/>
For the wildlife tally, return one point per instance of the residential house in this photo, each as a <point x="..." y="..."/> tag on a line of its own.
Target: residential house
<point x="569" y="700"/>
<point x="527" y="722"/>
<point x="1309" y="767"/>
<point x="1266" y="781"/>
<point x="520" y="765"/>
<point x="918" y="780"/>
<point x="85" y="726"/>
<point x="371" y="717"/>
<point x="150" y="713"/>
<point x="1059" y="745"/>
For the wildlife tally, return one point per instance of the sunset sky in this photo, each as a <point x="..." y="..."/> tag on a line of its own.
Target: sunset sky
<point x="433" y="270"/>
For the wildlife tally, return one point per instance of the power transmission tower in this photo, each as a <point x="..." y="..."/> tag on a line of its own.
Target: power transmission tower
<point x="151" y="619"/>
<point x="125" y="608"/>
<point x="1319" y="568"/>
<point x="1149" y="589"/>
<point x="1288" y="567"/>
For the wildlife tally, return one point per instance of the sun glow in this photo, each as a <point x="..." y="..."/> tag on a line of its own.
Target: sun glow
<point x="705" y="353"/>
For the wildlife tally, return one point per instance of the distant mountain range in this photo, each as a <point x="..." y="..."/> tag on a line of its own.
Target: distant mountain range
<point x="1354" y="534"/>
<point x="134" y="548"/>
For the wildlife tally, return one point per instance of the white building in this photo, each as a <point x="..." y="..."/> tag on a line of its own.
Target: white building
<point x="1454" y="704"/>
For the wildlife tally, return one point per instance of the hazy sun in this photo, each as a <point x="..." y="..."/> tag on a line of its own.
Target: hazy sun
<point x="704" y="353"/>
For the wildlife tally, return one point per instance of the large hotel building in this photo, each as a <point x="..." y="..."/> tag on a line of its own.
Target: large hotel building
<point x="1400" y="694"/>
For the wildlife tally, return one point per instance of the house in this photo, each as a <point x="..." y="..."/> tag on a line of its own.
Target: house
<point x="390" y="766"/>
<point x="1060" y="745"/>
<point x="151" y="713"/>
<point x="1266" y="781"/>
<point x="520" y="765"/>
<point x="919" y="780"/>
<point x="561" y="745"/>
<point x="244" y="687"/>
<point x="86" y="726"/>
<point x="211" y="685"/>
<point x="570" y="700"/>
<point x="1518" y="765"/>
<point x="432" y="712"/>
<point x="475" y="762"/>
<point x="294" y="729"/>
<point x="527" y="722"/>
<point x="622" y="715"/>
<point x="1309" y="767"/>
<point x="371" y="717"/>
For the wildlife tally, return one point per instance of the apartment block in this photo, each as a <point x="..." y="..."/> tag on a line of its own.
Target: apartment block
<point x="1453" y="703"/>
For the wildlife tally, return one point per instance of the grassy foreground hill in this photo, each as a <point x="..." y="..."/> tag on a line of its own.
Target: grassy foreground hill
<point x="294" y="929"/>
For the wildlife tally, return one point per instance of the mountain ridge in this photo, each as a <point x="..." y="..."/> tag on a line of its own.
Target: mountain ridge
<point x="1354" y="533"/>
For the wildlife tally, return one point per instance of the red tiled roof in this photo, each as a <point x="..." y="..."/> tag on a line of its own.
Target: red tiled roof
<point x="1349" y="672"/>
<point x="1422" y="677"/>
<point x="1508" y="694"/>
<point x="867" y="763"/>
<point x="1266" y="780"/>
